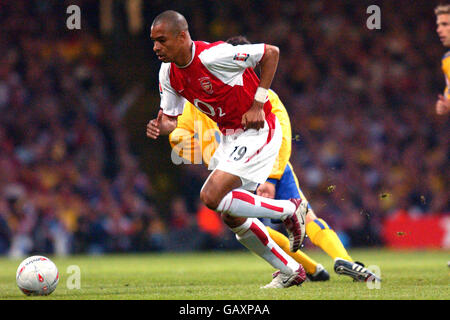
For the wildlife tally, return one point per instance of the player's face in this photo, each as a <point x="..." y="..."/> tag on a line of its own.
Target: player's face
<point x="443" y="28"/>
<point x="166" y="44"/>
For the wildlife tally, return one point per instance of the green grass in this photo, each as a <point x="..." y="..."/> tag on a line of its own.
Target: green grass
<point x="236" y="276"/>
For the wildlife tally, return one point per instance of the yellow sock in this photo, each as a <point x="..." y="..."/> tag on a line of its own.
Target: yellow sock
<point x="283" y="242"/>
<point x="324" y="237"/>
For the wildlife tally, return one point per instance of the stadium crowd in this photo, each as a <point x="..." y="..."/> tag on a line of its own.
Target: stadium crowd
<point x="367" y="141"/>
<point x="69" y="182"/>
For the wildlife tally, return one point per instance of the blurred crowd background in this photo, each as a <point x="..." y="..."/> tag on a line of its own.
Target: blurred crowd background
<point x="78" y="175"/>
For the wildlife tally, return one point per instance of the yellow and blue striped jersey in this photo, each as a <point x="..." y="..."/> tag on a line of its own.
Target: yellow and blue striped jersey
<point x="196" y="137"/>
<point x="446" y="70"/>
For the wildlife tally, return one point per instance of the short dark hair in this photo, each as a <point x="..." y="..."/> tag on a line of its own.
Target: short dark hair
<point x="236" y="40"/>
<point x="175" y="20"/>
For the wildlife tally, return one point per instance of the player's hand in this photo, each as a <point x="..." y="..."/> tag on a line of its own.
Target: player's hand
<point x="254" y="118"/>
<point x="153" y="126"/>
<point x="442" y="105"/>
<point x="266" y="190"/>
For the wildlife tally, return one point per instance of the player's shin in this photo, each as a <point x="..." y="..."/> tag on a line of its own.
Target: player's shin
<point x="280" y="239"/>
<point x="324" y="237"/>
<point x="241" y="203"/>
<point x="254" y="236"/>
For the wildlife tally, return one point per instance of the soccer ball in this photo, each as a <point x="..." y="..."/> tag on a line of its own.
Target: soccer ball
<point x="37" y="276"/>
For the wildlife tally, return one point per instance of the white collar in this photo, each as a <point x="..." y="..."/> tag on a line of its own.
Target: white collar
<point x="192" y="57"/>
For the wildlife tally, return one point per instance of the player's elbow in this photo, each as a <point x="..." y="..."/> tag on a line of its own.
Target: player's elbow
<point x="272" y="52"/>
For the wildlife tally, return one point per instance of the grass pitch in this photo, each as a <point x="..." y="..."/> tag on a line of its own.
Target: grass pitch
<point x="238" y="275"/>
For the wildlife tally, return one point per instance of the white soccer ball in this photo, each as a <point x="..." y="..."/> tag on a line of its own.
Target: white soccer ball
<point x="37" y="276"/>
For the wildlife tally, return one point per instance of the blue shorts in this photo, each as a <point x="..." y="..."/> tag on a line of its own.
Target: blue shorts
<point x="287" y="187"/>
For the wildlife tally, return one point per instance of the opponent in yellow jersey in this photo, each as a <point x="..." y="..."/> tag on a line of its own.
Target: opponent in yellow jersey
<point x="443" y="29"/>
<point x="446" y="71"/>
<point x="196" y="138"/>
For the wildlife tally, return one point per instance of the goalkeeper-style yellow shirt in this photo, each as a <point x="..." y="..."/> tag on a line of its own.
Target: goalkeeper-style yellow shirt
<point x="446" y="70"/>
<point x="196" y="137"/>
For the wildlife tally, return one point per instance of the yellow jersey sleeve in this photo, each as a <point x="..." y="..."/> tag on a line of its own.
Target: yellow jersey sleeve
<point x="182" y="138"/>
<point x="286" y="144"/>
<point x="196" y="137"/>
<point x="446" y="70"/>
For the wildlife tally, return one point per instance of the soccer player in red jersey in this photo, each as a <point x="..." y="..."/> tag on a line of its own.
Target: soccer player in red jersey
<point x="218" y="78"/>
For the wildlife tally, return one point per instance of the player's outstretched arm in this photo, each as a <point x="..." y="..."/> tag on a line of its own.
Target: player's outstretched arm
<point x="162" y="125"/>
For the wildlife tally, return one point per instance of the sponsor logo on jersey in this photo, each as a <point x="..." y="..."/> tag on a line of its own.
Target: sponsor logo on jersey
<point x="241" y="56"/>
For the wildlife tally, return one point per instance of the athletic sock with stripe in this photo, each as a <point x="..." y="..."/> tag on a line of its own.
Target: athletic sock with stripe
<point x="241" y="203"/>
<point x="254" y="236"/>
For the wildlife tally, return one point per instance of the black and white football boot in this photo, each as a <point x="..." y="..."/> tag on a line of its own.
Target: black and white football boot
<point x="354" y="270"/>
<point x="321" y="274"/>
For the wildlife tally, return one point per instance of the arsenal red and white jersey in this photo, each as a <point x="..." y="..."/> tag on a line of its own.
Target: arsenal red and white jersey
<point x="219" y="81"/>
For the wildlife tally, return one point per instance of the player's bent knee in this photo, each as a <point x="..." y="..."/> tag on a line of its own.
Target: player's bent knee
<point x="209" y="199"/>
<point x="232" y="221"/>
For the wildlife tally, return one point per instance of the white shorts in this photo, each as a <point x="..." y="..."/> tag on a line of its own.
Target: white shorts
<point x="248" y="154"/>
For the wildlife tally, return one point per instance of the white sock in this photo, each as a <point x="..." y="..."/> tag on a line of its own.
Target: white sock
<point x="241" y="203"/>
<point x="254" y="236"/>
